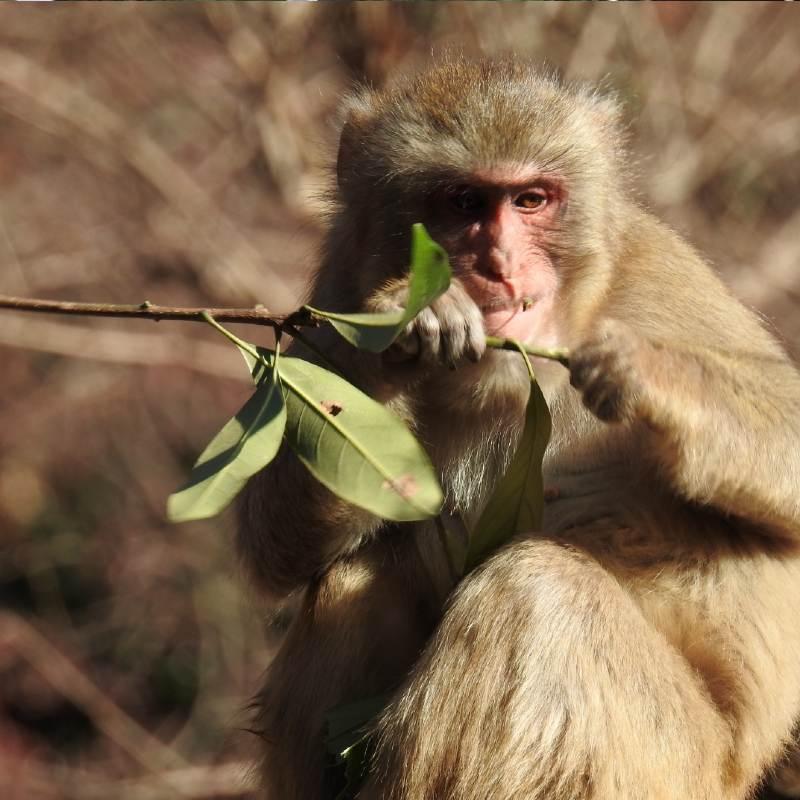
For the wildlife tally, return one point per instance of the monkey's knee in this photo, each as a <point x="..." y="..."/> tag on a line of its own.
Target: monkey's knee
<point x="545" y="681"/>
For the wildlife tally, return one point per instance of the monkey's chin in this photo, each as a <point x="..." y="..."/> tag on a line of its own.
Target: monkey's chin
<point x="510" y="324"/>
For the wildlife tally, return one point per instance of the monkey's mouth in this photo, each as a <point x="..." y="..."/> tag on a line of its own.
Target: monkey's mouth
<point x="510" y="305"/>
<point x="504" y="315"/>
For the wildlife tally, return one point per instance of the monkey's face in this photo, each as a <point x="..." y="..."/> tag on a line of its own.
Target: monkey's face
<point x="487" y="154"/>
<point x="499" y="227"/>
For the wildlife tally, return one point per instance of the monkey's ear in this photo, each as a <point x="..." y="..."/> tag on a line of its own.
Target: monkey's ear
<point x="358" y="116"/>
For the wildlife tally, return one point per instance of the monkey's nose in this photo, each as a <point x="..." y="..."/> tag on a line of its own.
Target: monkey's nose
<point x="499" y="262"/>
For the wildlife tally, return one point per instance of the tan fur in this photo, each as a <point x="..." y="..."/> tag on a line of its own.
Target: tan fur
<point x="646" y="643"/>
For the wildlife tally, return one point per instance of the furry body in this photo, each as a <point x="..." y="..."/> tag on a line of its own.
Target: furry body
<point x="645" y="643"/>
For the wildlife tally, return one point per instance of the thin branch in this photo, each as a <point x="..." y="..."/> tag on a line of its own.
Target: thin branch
<point x="146" y="310"/>
<point x="559" y="354"/>
<point x="253" y="316"/>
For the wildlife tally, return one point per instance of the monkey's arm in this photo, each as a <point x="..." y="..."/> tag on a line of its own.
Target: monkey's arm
<point x="291" y="528"/>
<point x="726" y="426"/>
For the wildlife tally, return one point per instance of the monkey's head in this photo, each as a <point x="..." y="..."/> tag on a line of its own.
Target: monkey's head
<point x="516" y="175"/>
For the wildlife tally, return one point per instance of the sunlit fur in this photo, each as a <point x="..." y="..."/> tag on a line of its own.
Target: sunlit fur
<point x="646" y="643"/>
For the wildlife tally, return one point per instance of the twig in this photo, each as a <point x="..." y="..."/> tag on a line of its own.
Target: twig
<point x="147" y="310"/>
<point x="559" y="354"/>
<point x="252" y="316"/>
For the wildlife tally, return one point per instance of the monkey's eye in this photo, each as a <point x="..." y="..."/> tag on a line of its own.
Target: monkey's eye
<point x="534" y="200"/>
<point x="466" y="199"/>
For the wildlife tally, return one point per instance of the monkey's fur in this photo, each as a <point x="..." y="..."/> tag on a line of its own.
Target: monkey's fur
<point x="646" y="643"/>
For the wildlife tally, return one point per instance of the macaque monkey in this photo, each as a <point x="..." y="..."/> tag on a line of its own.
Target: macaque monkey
<point x="645" y="644"/>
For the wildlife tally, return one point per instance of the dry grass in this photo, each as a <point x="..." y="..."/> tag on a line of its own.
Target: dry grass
<point x="176" y="152"/>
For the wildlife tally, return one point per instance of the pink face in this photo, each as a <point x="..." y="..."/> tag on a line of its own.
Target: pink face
<point x="497" y="228"/>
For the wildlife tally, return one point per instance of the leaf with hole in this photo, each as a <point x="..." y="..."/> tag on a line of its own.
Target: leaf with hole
<point x="355" y="446"/>
<point x="429" y="277"/>
<point x="245" y="445"/>
<point x="517" y="503"/>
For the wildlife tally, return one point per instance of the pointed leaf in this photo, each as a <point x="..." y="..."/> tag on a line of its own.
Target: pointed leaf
<point x="517" y="503"/>
<point x="355" y="446"/>
<point x="246" y="444"/>
<point x="429" y="277"/>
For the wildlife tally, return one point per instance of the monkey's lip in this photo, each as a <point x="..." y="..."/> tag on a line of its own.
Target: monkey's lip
<point x="506" y="315"/>
<point x="506" y="304"/>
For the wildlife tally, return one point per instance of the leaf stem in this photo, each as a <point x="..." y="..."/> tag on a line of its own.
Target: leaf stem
<point x="521" y="347"/>
<point x="241" y="343"/>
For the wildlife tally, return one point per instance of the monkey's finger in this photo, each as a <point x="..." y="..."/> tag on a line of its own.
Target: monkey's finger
<point x="455" y="337"/>
<point x="609" y="408"/>
<point x="604" y="399"/>
<point x="476" y="342"/>
<point x="461" y="317"/>
<point x="582" y="371"/>
<point x="429" y="331"/>
<point x="589" y="364"/>
<point x="453" y="342"/>
<point x="449" y="310"/>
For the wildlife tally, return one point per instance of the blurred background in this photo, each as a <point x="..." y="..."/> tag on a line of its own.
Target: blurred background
<point x="178" y="153"/>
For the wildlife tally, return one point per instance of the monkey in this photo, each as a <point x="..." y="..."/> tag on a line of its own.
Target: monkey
<point x="645" y="643"/>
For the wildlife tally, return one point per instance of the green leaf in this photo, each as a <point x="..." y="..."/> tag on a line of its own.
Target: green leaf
<point x="517" y="503"/>
<point x="429" y="277"/>
<point x="258" y="369"/>
<point x="355" y="446"/>
<point x="246" y="444"/>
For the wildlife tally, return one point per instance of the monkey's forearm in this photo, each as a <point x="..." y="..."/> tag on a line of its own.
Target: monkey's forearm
<point x="291" y="528"/>
<point x="729" y="429"/>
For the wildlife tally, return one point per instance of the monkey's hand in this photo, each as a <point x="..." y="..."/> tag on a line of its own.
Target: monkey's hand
<point x="608" y="369"/>
<point x="446" y="332"/>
